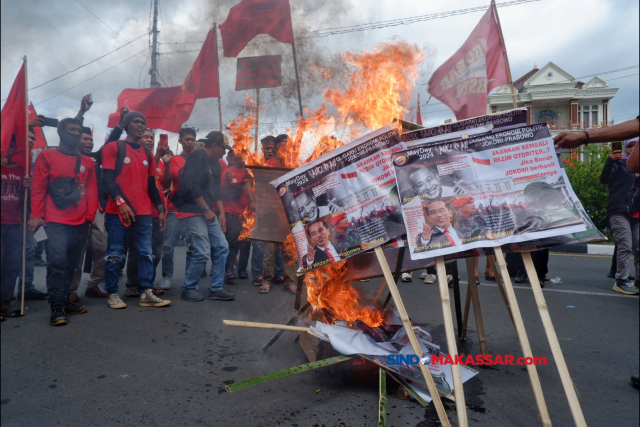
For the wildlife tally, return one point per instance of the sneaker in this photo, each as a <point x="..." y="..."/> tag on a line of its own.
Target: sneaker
<point x="193" y="296"/>
<point x="96" y="292"/>
<point x="221" y="295"/>
<point x="430" y="279"/>
<point x="424" y="274"/>
<point x="626" y="288"/>
<point x="148" y="299"/>
<point x="58" y="317"/>
<point x="34" y="294"/>
<point x="114" y="301"/>
<point x="166" y="283"/>
<point x="72" y="308"/>
<point x="521" y="277"/>
<point x="406" y="277"/>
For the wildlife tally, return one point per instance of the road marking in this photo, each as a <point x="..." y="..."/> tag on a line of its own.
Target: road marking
<point x="601" y="294"/>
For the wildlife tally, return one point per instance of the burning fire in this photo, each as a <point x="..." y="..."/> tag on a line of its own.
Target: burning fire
<point x="379" y="91"/>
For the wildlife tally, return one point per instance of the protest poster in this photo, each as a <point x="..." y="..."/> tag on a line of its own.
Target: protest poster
<point x="271" y="220"/>
<point x="487" y="190"/>
<point x="499" y="122"/>
<point x="256" y="72"/>
<point x="344" y="202"/>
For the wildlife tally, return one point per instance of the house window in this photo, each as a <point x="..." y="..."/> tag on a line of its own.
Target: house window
<point x="546" y="116"/>
<point x="588" y="115"/>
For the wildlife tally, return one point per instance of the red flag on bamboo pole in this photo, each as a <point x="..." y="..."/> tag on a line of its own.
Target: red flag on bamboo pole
<point x="463" y="82"/>
<point x="203" y="77"/>
<point x="418" y="114"/>
<point x="252" y="17"/>
<point x="13" y="120"/>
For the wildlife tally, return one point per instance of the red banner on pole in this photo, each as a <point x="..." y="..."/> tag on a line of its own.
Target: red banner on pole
<point x="13" y="121"/>
<point x="259" y="71"/>
<point x="203" y="77"/>
<point x="463" y="82"/>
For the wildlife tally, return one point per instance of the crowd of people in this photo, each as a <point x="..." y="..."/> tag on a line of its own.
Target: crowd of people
<point x="122" y="209"/>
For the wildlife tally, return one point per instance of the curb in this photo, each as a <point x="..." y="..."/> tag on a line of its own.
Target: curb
<point x="590" y="249"/>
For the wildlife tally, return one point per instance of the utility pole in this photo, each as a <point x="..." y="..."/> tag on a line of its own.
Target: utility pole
<point x="153" y="71"/>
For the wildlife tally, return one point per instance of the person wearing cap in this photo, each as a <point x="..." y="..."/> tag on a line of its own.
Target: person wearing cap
<point x="66" y="221"/>
<point x="201" y="189"/>
<point x="344" y="235"/>
<point x="132" y="195"/>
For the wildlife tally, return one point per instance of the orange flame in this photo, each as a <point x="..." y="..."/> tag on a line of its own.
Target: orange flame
<point x="379" y="91"/>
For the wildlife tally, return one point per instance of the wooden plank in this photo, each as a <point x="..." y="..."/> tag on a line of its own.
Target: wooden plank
<point x="382" y="402"/>
<point x="556" y="350"/>
<point x="465" y="316"/>
<point x="393" y="290"/>
<point x="522" y="337"/>
<point x="231" y="388"/>
<point x="458" y="391"/>
<point x="472" y="290"/>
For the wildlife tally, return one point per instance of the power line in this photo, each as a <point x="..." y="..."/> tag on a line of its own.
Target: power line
<point x="98" y="18"/>
<point x="368" y="26"/>
<point x="90" y="78"/>
<point x="630" y="75"/>
<point x="594" y="74"/>
<point x="90" y="62"/>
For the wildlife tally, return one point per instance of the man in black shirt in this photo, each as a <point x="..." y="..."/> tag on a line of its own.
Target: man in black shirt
<point x="199" y="194"/>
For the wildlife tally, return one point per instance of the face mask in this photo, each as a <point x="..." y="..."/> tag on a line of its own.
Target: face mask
<point x="68" y="141"/>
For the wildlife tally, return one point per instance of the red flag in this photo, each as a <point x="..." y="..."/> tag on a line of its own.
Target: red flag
<point x="464" y="80"/>
<point x="13" y="119"/>
<point x="165" y="108"/>
<point x="252" y="17"/>
<point x="41" y="141"/>
<point x="419" y="115"/>
<point x="203" y="77"/>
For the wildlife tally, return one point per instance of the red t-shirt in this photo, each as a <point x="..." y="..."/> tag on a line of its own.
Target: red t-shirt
<point x="238" y="206"/>
<point x="159" y="177"/>
<point x="51" y="165"/>
<point x="133" y="177"/>
<point x="12" y="202"/>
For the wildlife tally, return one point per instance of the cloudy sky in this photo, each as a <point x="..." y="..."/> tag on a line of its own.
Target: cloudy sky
<point x="584" y="38"/>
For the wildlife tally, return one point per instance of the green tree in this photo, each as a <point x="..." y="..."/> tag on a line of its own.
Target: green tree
<point x="584" y="176"/>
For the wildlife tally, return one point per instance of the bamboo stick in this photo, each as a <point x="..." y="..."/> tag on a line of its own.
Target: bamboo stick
<point x="382" y="402"/>
<point x="563" y="370"/>
<point x="285" y="373"/>
<point x="27" y="166"/>
<point x="393" y="290"/>
<point x="472" y="290"/>
<point x="522" y="337"/>
<point x="265" y="326"/>
<point x="500" y="284"/>
<point x="506" y="57"/>
<point x="465" y="316"/>
<point x="458" y="391"/>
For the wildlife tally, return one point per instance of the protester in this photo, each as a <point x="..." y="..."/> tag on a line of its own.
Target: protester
<point x="129" y="177"/>
<point x="163" y="161"/>
<point x="620" y="132"/>
<point x="187" y="139"/>
<point x="200" y="190"/>
<point x="623" y="215"/>
<point x="64" y="199"/>
<point x="96" y="244"/>
<point x="238" y="195"/>
<point x="14" y="182"/>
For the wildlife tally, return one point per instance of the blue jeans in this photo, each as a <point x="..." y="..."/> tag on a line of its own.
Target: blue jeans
<point x="279" y="266"/>
<point x="171" y="237"/>
<point x="29" y="265"/>
<point x="206" y="238"/>
<point x="140" y="234"/>
<point x="257" y="260"/>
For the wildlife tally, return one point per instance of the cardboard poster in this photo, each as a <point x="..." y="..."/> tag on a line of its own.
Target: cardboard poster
<point x="256" y="72"/>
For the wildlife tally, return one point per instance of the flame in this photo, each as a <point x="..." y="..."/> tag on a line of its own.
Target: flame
<point x="379" y="91"/>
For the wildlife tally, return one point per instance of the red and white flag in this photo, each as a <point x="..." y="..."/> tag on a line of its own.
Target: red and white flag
<point x="464" y="80"/>
<point x="252" y="17"/>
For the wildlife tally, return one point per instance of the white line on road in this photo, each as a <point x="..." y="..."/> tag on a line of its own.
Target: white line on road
<point x="601" y="294"/>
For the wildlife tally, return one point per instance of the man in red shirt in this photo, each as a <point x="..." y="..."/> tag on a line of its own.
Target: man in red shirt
<point x="237" y="195"/>
<point x="163" y="160"/>
<point x="13" y="184"/>
<point x="187" y="139"/>
<point x="66" y="220"/>
<point x="130" y="181"/>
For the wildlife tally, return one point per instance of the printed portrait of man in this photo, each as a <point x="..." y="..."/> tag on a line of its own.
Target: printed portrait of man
<point x="441" y="233"/>
<point x="308" y="209"/>
<point x="319" y="246"/>
<point x="344" y="235"/>
<point x="467" y="218"/>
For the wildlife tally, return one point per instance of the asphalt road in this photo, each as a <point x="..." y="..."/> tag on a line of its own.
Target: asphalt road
<point x="169" y="366"/>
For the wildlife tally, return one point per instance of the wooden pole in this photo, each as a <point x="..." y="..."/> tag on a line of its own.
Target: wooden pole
<point x="458" y="391"/>
<point x="465" y="316"/>
<point x="563" y="370"/>
<point x="472" y="289"/>
<point x="27" y="166"/>
<point x="295" y="66"/>
<point x="522" y="337"/>
<point x="257" y="117"/>
<point x="500" y="284"/>
<point x="506" y="58"/>
<point x="215" y="39"/>
<point x="265" y="326"/>
<point x="393" y="289"/>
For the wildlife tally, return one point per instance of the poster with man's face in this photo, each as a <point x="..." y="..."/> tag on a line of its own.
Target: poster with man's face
<point x="344" y="202"/>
